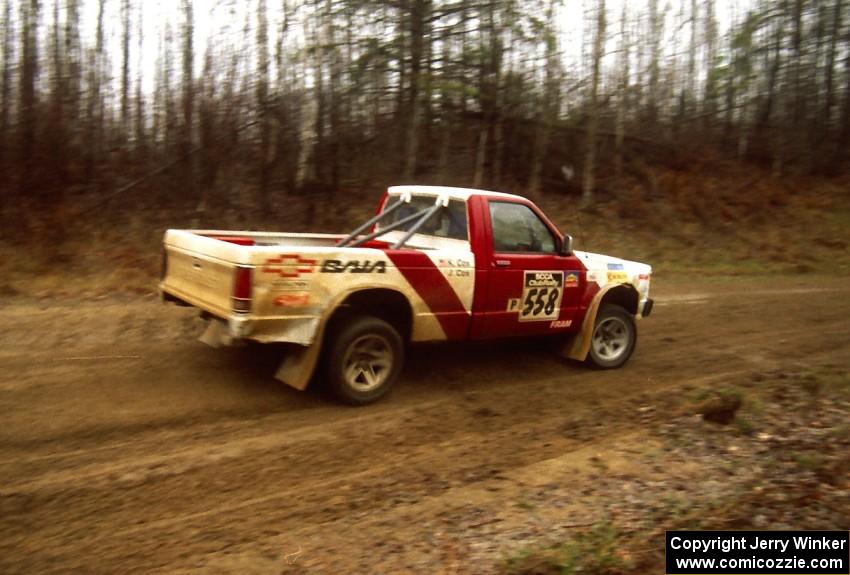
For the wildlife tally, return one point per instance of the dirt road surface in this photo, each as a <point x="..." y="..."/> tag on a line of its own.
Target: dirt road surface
<point x="127" y="446"/>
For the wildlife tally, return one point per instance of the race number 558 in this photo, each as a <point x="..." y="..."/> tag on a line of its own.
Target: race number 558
<point x="541" y="296"/>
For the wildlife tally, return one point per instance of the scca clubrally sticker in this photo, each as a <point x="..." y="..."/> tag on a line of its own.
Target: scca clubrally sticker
<point x="541" y="296"/>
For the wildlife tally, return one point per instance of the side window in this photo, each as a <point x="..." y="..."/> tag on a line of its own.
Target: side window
<point x="447" y="223"/>
<point x="516" y="228"/>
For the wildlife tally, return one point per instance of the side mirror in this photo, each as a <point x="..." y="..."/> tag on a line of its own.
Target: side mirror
<point x="566" y="247"/>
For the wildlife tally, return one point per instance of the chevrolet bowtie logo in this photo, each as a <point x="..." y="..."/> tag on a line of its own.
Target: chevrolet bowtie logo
<point x="288" y="266"/>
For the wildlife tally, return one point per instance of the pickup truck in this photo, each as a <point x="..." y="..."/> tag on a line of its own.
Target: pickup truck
<point x="434" y="264"/>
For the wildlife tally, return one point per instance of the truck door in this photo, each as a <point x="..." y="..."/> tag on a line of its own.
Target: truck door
<point x="530" y="289"/>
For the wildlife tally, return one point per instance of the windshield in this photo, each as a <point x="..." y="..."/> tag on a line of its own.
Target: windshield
<point x="448" y="222"/>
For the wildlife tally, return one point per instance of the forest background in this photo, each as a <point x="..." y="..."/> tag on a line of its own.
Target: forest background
<point x="703" y="137"/>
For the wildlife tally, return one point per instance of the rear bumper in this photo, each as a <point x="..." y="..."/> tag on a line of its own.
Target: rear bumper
<point x="298" y="330"/>
<point x="646" y="309"/>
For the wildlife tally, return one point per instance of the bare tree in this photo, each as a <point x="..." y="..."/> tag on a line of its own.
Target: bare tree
<point x="622" y="97"/>
<point x="125" y="69"/>
<point x="73" y="70"/>
<point x="844" y="122"/>
<point x="141" y="129"/>
<point x="188" y="98"/>
<point x="343" y="91"/>
<point x="832" y="53"/>
<point x="334" y="97"/>
<point x="710" y="95"/>
<point x="548" y="106"/>
<point x="94" y="101"/>
<point x="6" y="104"/>
<point x="27" y="96"/>
<point x="416" y="17"/>
<point x="262" y="103"/>
<point x="593" y="115"/>
<point x="655" y="28"/>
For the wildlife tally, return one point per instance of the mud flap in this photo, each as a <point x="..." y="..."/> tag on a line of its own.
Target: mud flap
<point x="298" y="366"/>
<point x="216" y="335"/>
<point x="578" y="346"/>
<point x="296" y="369"/>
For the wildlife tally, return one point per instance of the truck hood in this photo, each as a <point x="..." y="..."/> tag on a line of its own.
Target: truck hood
<point x="607" y="269"/>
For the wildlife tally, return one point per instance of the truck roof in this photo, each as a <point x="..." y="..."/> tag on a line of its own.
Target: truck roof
<point x="462" y="194"/>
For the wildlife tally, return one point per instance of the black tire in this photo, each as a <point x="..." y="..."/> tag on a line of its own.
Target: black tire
<point x="364" y="358"/>
<point x="614" y="338"/>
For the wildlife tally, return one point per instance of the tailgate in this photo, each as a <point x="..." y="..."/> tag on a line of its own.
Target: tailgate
<point x="200" y="274"/>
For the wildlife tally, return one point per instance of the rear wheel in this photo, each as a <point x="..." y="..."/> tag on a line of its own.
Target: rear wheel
<point x="364" y="360"/>
<point x="614" y="338"/>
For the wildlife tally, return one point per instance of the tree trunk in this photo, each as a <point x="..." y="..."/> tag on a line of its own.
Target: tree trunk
<point x="480" y="157"/>
<point x="710" y="95"/>
<point x="334" y="99"/>
<point x="622" y="97"/>
<point x="125" y="71"/>
<point x="93" y="102"/>
<point x="654" y="62"/>
<point x="587" y="191"/>
<point x="692" y="59"/>
<point x="141" y="130"/>
<point x="287" y="138"/>
<point x="262" y="107"/>
<point x="5" y="106"/>
<point x="544" y="119"/>
<point x="187" y="130"/>
<point x="829" y="82"/>
<point x="411" y="148"/>
<point x="844" y="123"/>
<point x="446" y="120"/>
<point x="57" y="144"/>
<point x="827" y="115"/>
<point x="797" y="145"/>
<point x="317" y="162"/>
<point x="27" y="102"/>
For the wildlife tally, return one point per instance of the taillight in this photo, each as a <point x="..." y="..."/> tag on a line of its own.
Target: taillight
<point x="242" y="290"/>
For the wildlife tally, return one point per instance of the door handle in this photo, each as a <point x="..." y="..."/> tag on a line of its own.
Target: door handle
<point x="502" y="263"/>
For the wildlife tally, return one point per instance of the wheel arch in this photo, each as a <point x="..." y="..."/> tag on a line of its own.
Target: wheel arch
<point x="623" y="295"/>
<point x="388" y="304"/>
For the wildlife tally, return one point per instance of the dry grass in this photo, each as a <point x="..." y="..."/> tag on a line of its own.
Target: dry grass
<point x="712" y="220"/>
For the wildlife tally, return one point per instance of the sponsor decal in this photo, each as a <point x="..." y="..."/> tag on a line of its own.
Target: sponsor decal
<point x="292" y="300"/>
<point x="560" y="324"/>
<point x="288" y="266"/>
<point x="541" y="296"/>
<point x="354" y="267"/>
<point x="619" y="277"/>
<point x="290" y="285"/>
<point x="615" y="266"/>
<point x="513" y="304"/>
<point x="571" y="280"/>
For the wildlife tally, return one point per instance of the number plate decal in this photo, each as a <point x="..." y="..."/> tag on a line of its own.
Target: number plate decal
<point x="541" y="296"/>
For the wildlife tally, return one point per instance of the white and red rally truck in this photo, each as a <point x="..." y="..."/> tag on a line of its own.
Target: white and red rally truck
<point x="434" y="264"/>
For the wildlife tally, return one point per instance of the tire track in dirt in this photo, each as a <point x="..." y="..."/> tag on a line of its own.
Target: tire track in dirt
<point x="184" y="458"/>
<point x="237" y="485"/>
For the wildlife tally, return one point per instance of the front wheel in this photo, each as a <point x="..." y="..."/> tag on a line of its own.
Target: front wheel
<point x="614" y="338"/>
<point x="364" y="360"/>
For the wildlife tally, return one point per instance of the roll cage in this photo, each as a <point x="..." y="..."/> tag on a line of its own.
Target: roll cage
<point x="419" y="219"/>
